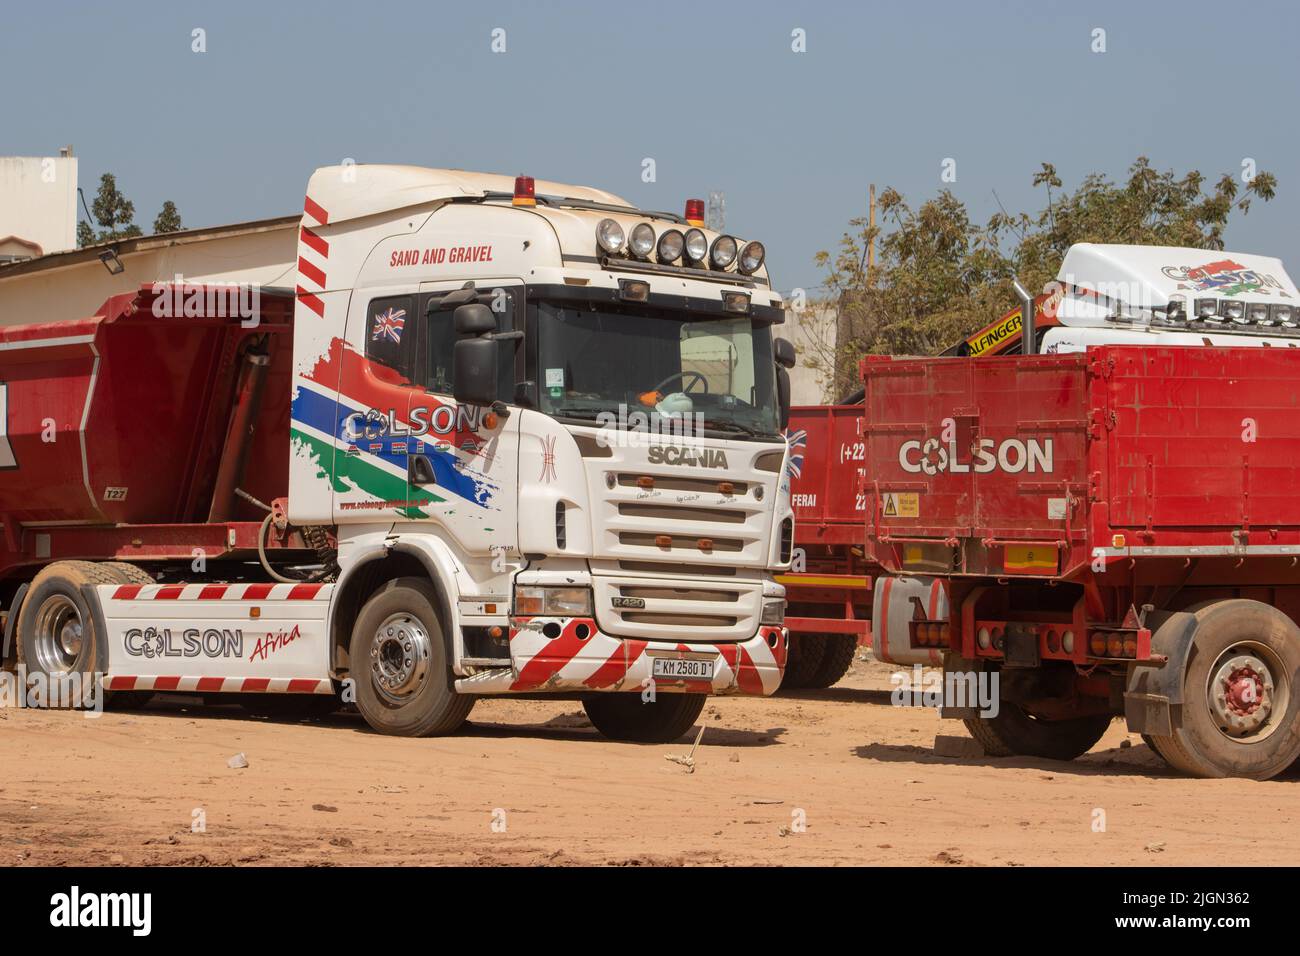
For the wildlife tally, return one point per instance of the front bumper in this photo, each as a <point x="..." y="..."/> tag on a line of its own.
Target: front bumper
<point x="571" y="655"/>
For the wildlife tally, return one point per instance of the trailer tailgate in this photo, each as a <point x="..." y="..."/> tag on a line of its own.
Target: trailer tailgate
<point x="977" y="465"/>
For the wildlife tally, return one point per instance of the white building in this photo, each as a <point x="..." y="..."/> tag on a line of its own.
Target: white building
<point x="38" y="205"/>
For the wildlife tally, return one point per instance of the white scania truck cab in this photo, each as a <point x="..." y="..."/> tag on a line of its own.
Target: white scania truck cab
<point x="548" y="429"/>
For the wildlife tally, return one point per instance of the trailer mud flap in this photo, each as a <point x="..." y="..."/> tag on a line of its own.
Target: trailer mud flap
<point x="1153" y="696"/>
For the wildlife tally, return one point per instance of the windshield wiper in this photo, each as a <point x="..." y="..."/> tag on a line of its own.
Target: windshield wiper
<point x="572" y="411"/>
<point x="740" y="427"/>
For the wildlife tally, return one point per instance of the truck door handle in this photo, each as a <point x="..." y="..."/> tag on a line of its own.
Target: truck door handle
<point x="419" y="470"/>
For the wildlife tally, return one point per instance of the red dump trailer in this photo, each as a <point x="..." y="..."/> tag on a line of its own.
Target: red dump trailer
<point x="1118" y="533"/>
<point x="133" y="438"/>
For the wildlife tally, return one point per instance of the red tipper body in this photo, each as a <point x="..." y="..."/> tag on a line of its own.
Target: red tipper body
<point x="1122" y="470"/>
<point x="117" y="427"/>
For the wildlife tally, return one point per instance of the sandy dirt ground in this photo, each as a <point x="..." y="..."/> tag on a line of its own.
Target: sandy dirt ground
<point x="823" y="777"/>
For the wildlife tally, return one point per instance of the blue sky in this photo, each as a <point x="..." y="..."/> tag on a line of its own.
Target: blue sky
<point x="713" y="92"/>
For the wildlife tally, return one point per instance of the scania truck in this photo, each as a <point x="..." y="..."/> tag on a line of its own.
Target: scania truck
<point x="503" y="436"/>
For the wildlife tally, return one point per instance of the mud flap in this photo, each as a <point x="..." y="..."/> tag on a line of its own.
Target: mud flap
<point x="10" y="651"/>
<point x="1153" y="696"/>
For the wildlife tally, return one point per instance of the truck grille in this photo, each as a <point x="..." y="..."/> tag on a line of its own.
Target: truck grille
<point x="682" y="519"/>
<point x="662" y="611"/>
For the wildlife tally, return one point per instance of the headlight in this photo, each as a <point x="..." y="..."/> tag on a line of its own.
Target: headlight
<point x="1176" y="311"/>
<point x="1207" y="308"/>
<point x="773" y="612"/>
<point x="751" y="257"/>
<point x="609" y="236"/>
<point x="1257" y="312"/>
<point x="532" y="600"/>
<point x="670" y="246"/>
<point x="1284" y="315"/>
<point x="697" y="245"/>
<point x="1234" y="310"/>
<point x="642" y="242"/>
<point x="723" y="253"/>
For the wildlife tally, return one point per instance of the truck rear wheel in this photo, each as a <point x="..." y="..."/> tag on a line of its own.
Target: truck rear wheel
<point x="401" y="665"/>
<point x="1240" y="704"/>
<point x="837" y="658"/>
<point x="56" y="631"/>
<point x="1014" y="731"/>
<point x="806" y="652"/>
<point x="658" y="721"/>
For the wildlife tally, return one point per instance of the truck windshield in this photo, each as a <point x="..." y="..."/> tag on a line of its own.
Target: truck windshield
<point x="595" y="359"/>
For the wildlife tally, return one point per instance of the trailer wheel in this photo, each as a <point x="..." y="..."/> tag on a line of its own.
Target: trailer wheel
<point x="401" y="665"/>
<point x="628" y="717"/>
<point x="806" y="652"/>
<point x="1240" y="703"/>
<point x="1014" y="731"/>
<point x="56" y="632"/>
<point x="837" y="658"/>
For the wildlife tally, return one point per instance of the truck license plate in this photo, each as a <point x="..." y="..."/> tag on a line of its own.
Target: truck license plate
<point x="678" y="669"/>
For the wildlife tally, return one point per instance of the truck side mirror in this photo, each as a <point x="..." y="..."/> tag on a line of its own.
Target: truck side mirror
<point x="784" y="353"/>
<point x="474" y="318"/>
<point x="783" y="395"/>
<point x="474" y="357"/>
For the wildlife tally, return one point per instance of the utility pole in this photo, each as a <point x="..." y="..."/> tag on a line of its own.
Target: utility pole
<point x="871" y="227"/>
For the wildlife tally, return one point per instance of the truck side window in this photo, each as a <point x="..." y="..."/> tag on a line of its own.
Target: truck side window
<point x="439" y="337"/>
<point x="387" y="341"/>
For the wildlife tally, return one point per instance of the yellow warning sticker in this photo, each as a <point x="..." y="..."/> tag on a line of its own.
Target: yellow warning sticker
<point x="902" y="504"/>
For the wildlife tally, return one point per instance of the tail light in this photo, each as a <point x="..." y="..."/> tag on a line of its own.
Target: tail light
<point x="525" y="192"/>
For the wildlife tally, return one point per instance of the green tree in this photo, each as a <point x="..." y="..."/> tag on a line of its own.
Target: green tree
<point x="169" y="220"/>
<point x="940" y="276"/>
<point x="113" y="212"/>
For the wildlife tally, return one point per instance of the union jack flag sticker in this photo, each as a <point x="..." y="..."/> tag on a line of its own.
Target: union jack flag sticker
<point x="389" y="325"/>
<point x="798" y="442"/>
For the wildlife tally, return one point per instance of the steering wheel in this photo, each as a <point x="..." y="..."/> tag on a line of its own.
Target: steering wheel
<point x="695" y="377"/>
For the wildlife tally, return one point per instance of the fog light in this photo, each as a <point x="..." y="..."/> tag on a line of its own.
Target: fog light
<point x="751" y="257"/>
<point x="1207" y="308"/>
<point x="1234" y="310"/>
<point x="670" y="246"/>
<point x="723" y="253"/>
<point x="696" y="245"/>
<point x="1257" y="312"/>
<point x="642" y="241"/>
<point x="609" y="236"/>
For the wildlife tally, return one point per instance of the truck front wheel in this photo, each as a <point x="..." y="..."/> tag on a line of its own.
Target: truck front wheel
<point x="1014" y="731"/>
<point x="1240" y="706"/>
<point x="400" y="663"/>
<point x="658" y="721"/>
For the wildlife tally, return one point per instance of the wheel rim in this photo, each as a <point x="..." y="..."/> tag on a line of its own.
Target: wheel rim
<point x="60" y="635"/>
<point x="399" y="657"/>
<point x="1248" y="688"/>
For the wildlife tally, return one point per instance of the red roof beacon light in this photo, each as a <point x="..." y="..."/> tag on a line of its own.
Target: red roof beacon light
<point x="695" y="212"/>
<point x="525" y="192"/>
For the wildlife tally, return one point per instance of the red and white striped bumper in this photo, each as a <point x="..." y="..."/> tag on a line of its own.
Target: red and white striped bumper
<point x="578" y="657"/>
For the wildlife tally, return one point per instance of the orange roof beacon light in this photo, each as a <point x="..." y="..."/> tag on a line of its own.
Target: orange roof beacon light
<point x="525" y="192"/>
<point x="695" y="212"/>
